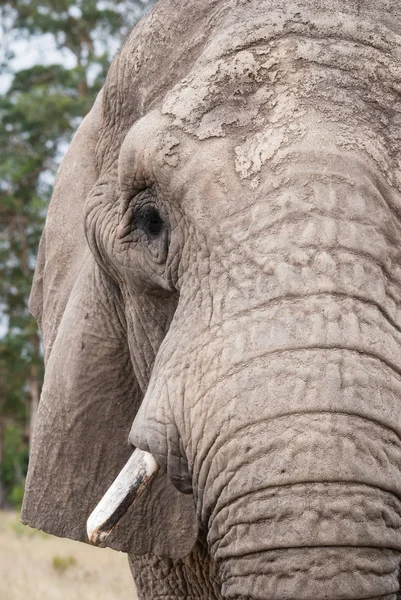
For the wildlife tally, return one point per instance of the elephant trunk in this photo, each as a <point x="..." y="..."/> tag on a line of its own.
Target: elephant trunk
<point x="310" y="509"/>
<point x="300" y="488"/>
<point x="298" y="480"/>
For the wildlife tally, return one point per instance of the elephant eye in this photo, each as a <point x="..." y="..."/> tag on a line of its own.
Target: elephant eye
<point x="145" y="226"/>
<point x="149" y="220"/>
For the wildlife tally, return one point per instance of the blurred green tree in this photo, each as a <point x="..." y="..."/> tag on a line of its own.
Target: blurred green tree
<point x="39" y="110"/>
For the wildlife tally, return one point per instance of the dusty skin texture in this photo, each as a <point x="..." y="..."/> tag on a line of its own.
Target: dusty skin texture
<point x="219" y="282"/>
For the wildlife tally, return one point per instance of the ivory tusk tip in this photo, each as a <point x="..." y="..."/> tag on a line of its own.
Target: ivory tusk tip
<point x="126" y="489"/>
<point x="96" y="537"/>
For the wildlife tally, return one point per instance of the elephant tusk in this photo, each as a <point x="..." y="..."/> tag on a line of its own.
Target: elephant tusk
<point x="123" y="492"/>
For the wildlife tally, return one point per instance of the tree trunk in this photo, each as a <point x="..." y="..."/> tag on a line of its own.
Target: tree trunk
<point x="32" y="380"/>
<point x="2" y="494"/>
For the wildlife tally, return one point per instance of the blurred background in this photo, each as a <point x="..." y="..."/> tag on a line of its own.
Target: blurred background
<point x="53" y="59"/>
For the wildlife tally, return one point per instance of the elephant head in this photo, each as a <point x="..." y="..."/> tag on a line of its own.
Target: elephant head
<point x="219" y="285"/>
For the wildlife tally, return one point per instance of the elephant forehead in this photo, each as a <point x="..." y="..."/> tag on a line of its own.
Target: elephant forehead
<point x="216" y="95"/>
<point x="218" y="67"/>
<point x="259" y="56"/>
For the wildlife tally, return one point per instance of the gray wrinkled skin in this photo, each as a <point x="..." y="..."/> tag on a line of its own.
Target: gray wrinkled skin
<point x="249" y="336"/>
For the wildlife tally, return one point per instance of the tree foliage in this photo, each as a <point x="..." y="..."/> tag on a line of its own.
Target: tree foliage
<point x="39" y="110"/>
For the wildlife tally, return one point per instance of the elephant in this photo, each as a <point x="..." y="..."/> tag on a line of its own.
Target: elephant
<point x="218" y="285"/>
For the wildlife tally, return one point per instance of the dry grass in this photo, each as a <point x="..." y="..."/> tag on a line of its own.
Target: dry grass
<point x="36" y="566"/>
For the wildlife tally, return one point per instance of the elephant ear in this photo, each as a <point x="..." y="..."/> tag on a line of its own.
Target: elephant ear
<point x="90" y="395"/>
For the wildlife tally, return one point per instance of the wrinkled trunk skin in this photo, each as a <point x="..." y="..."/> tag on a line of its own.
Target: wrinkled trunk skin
<point x="298" y="479"/>
<point x="312" y="507"/>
